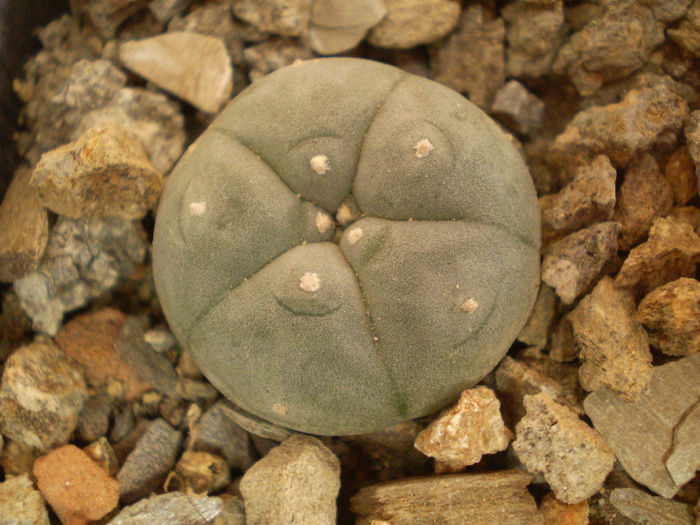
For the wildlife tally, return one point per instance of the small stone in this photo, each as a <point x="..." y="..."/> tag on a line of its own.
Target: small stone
<point x="93" y="419"/>
<point x="555" y="512"/>
<point x="644" y="195"/>
<point x="470" y="305"/>
<point x="672" y="251"/>
<point x="212" y="19"/>
<point x="76" y="487"/>
<point x="282" y="17"/>
<point x="410" y="23"/>
<point x="173" y="508"/>
<point x="641" y="432"/>
<point x="298" y="481"/>
<point x="494" y="497"/>
<point x="589" y="198"/>
<point x="18" y="458"/>
<point x="164" y="10"/>
<point x="692" y="137"/>
<point x="202" y="472"/>
<point x="680" y="174"/>
<point x="149" y="462"/>
<point x="272" y="55"/>
<point x="687" y="34"/>
<point x="461" y="435"/>
<point x="552" y="440"/>
<point x="562" y="347"/>
<point x="41" y="394"/>
<point x="108" y="15"/>
<point x="572" y="264"/>
<point x="536" y="330"/>
<point x="613" y="345"/>
<point x="684" y="457"/>
<point x="644" y="508"/>
<point x="337" y="26"/>
<point x="477" y="39"/>
<point x="193" y="390"/>
<point x="194" y="67"/>
<point x="160" y="339"/>
<point x="517" y="108"/>
<point x="20" y="503"/>
<point x="102" y="453"/>
<point x="687" y="214"/>
<point x="672" y="314"/>
<point x="255" y="425"/>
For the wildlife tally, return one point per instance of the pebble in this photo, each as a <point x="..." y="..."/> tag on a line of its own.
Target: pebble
<point x="410" y="23"/>
<point x="552" y="440"/>
<point x="20" y="503"/>
<point x="554" y="512"/>
<point x="517" y="108"/>
<point x="105" y="173"/>
<point x="641" y="432"/>
<point x="93" y="419"/>
<point x="101" y="452"/>
<point x="202" y="473"/>
<point x="272" y="55"/>
<point x="687" y="34"/>
<point x="149" y="462"/>
<point x="195" y="67"/>
<point x="41" y="394"/>
<point x="536" y="330"/>
<point x="164" y="10"/>
<point x="478" y="38"/>
<point x="108" y="15"/>
<point x="680" y="174"/>
<point x="684" y="457"/>
<point x="281" y="17"/>
<point x="644" y="508"/>
<point x="76" y="487"/>
<point x="588" y="198"/>
<point x="461" y="435"/>
<point x="18" y="458"/>
<point x="173" y="508"/>
<point x="84" y="258"/>
<point x="572" y="265"/>
<point x="296" y="482"/>
<point x="562" y="347"/>
<point x="337" y="26"/>
<point x="212" y="20"/>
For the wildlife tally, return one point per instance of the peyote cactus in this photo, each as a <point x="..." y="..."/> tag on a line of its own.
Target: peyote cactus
<point x="339" y="332"/>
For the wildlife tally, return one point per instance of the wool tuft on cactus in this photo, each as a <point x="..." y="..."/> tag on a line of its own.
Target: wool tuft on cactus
<point x="347" y="246"/>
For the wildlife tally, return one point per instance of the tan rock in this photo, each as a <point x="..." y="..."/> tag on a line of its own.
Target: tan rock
<point x="536" y="330"/>
<point x="684" y="457"/>
<point x="18" y="458"/>
<point x="552" y="440"/>
<point x="201" y="473"/>
<point x="108" y="15"/>
<point x="613" y="345"/>
<point x="194" y="67"/>
<point x="517" y="108"/>
<point x="680" y="173"/>
<point x="692" y="131"/>
<point x="643" y="508"/>
<point x="688" y="214"/>
<point x="78" y="490"/>
<point x="461" y="435"/>
<point x="337" y="26"/>
<point x="565" y="375"/>
<point x="20" y="503"/>
<point x="101" y="452"/>
<point x="562" y="347"/>
<point x="282" y="17"/>
<point x="273" y="54"/>
<point x="555" y="512"/>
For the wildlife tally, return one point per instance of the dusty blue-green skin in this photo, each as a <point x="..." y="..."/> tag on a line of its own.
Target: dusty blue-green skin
<point x="389" y="333"/>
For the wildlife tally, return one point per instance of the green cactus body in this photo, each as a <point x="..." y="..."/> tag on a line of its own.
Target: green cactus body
<point x="420" y="298"/>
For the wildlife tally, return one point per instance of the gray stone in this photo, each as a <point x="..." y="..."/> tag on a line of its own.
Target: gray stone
<point x="93" y="419"/>
<point x="337" y="25"/>
<point x="644" y="508"/>
<point x="173" y="508"/>
<point x="21" y="504"/>
<point x="517" y="108"/>
<point x="684" y="457"/>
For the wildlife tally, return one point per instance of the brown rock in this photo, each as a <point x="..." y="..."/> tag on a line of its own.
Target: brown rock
<point x="613" y="344"/>
<point x="409" y="23"/>
<point x="536" y="330"/>
<point x="273" y="54"/>
<point x="572" y="264"/>
<point x="687" y="214"/>
<point x="680" y="173"/>
<point x="108" y="15"/>
<point x="552" y="440"/>
<point x="24" y="228"/>
<point x="212" y="19"/>
<point x="337" y="26"/>
<point x="692" y="136"/>
<point x="517" y="108"/>
<point x="562" y="348"/>
<point x="164" y="10"/>
<point x="282" y="17"/>
<point x="461" y="435"/>
<point x="101" y="452"/>
<point x="201" y="472"/>
<point x="643" y="508"/>
<point x="93" y="419"/>
<point x="478" y="38"/>
<point x="192" y="66"/>
<point x="555" y="512"/>
<point x="20" y="504"/>
<point x="687" y="34"/>
<point x="495" y="497"/>
<point x="672" y="251"/>
<point x="589" y="198"/>
<point x="18" y="458"/>
<point x="76" y="487"/>
<point x="640" y="432"/>
<point x="565" y="375"/>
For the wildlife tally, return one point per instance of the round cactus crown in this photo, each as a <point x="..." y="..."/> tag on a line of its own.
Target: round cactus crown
<point x="421" y="294"/>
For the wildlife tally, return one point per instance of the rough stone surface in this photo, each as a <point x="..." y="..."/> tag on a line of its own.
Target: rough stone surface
<point x="644" y="195"/>
<point x="18" y="458"/>
<point x="298" y="481"/>
<point x="687" y="214"/>
<point x="680" y="174"/>
<point x="76" y="487"/>
<point x="105" y="173"/>
<point x="93" y="419"/>
<point x="495" y="497"/>
<point x="164" y="10"/>
<point x="572" y="264"/>
<point x="478" y="37"/>
<point x="41" y="394"/>
<point x="253" y="424"/>
<point x="272" y="55"/>
<point x="102" y="453"/>
<point x="192" y="66"/>
<point x="589" y="198"/>
<point x="562" y="347"/>
<point x="554" y="512"/>
<point x="20" y="503"/>
<point x="215" y="20"/>
<point x="461" y="435"/>
<point x="337" y="26"/>
<point x="70" y="275"/>
<point x="641" y="432"/>
<point x="536" y="330"/>
<point x="687" y="34"/>
<point x="283" y="17"/>
<point x="672" y="314"/>
<point x="201" y="472"/>
<point x="517" y="108"/>
<point x="108" y="15"/>
<point x="644" y="508"/>
<point x="149" y="462"/>
<point x="692" y="136"/>
<point x="173" y="508"/>
<point x="672" y="251"/>
<point x="684" y="457"/>
<point x="552" y="440"/>
<point x="613" y="345"/>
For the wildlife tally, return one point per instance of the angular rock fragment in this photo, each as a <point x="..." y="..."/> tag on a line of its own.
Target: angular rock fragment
<point x="102" y="453"/>
<point x="517" y="108"/>
<point x="20" y="503"/>
<point x="164" y="10"/>
<point x="194" y="67"/>
<point x="298" y="481"/>
<point x="202" y="473"/>
<point x="684" y="457"/>
<point x="478" y="38"/>
<point x="536" y="330"/>
<point x="564" y="374"/>
<point x="572" y="264"/>
<point x="282" y="17"/>
<point x="613" y="345"/>
<point x="687" y="214"/>
<point x="643" y="508"/>
<point x="641" y="432"/>
<point x="18" y="458"/>
<point x="496" y="497"/>
<point x="337" y="26"/>
<point x="687" y="34"/>
<point x="41" y="394"/>
<point x="555" y="512"/>
<point x="108" y="15"/>
<point x="672" y="314"/>
<point x="461" y="435"/>
<point x="93" y="419"/>
<point x="215" y="20"/>
<point x="552" y="440"/>
<point x="562" y="347"/>
<point x="589" y="198"/>
<point x="409" y="23"/>
<point x="76" y="487"/>
<point x="149" y="462"/>
<point x="273" y="54"/>
<point x="692" y="136"/>
<point x="105" y="173"/>
<point x="672" y="251"/>
<point x="680" y="174"/>
<point x="173" y="508"/>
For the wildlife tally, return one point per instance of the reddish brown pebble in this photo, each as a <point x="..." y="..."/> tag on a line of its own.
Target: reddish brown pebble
<point x="555" y="512"/>
<point x="77" y="489"/>
<point x="680" y="173"/>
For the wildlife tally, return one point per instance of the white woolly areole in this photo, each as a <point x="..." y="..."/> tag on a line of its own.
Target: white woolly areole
<point x="423" y="147"/>
<point x="319" y="163"/>
<point x="470" y="305"/>
<point x="354" y="235"/>
<point x="309" y="282"/>
<point x="197" y="209"/>
<point x="323" y="222"/>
